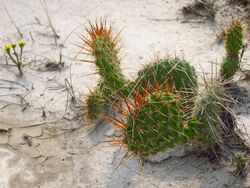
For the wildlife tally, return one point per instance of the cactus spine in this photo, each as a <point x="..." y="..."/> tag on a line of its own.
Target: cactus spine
<point x="155" y="119"/>
<point x="210" y="105"/>
<point x="157" y="125"/>
<point x="161" y="118"/>
<point x="103" y="46"/>
<point x="170" y="73"/>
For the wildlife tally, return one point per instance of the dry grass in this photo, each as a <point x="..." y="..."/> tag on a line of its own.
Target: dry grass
<point x="201" y="8"/>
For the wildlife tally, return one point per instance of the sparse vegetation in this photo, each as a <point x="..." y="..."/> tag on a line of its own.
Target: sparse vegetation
<point x="240" y="163"/>
<point x="167" y="109"/>
<point x="16" y="56"/>
<point x="162" y="107"/>
<point x="202" y="8"/>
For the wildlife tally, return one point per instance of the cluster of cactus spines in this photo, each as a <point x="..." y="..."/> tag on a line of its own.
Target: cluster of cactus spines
<point x="154" y="121"/>
<point x="210" y="105"/>
<point x="102" y="44"/>
<point x="173" y="73"/>
<point x="157" y="125"/>
<point x="233" y="45"/>
<point x="16" y="56"/>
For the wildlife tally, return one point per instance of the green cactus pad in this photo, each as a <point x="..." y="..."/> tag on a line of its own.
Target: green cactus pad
<point x="169" y="73"/>
<point x="233" y="45"/>
<point x="157" y="125"/>
<point x="107" y="61"/>
<point x="105" y="50"/>
<point x="95" y="103"/>
<point x="234" y="38"/>
<point x="229" y="66"/>
<point x="209" y="106"/>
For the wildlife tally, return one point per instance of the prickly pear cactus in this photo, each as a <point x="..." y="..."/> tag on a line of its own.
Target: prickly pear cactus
<point x="169" y="73"/>
<point x="234" y="38"/>
<point x="233" y="45"/>
<point x="95" y="103"/>
<point x="102" y="45"/>
<point x="157" y="125"/>
<point x="210" y="105"/>
<point x="229" y="66"/>
<point x="108" y="64"/>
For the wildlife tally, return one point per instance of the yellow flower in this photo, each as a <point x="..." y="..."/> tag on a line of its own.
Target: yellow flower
<point x="21" y="43"/>
<point x="7" y="48"/>
<point x="13" y="45"/>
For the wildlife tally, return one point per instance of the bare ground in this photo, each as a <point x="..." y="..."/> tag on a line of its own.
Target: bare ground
<point x="46" y="141"/>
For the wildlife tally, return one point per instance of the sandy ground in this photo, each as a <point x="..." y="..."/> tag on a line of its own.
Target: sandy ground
<point x="64" y="149"/>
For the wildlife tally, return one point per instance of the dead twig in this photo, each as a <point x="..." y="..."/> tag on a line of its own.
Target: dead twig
<point x="63" y="45"/>
<point x="31" y="37"/>
<point x="45" y="9"/>
<point x="202" y="8"/>
<point x="12" y="21"/>
<point x="70" y="90"/>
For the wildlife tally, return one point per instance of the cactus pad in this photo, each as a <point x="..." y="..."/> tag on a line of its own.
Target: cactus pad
<point x="209" y="107"/>
<point x="233" y="45"/>
<point x="169" y="73"/>
<point x="156" y="125"/>
<point x="95" y="103"/>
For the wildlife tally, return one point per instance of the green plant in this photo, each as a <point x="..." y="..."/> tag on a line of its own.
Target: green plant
<point x="14" y="55"/>
<point x="102" y="44"/>
<point x="157" y="126"/>
<point x="233" y="45"/>
<point x="209" y="106"/>
<point x="95" y="103"/>
<point x="154" y="121"/>
<point x="169" y="73"/>
<point x="240" y="162"/>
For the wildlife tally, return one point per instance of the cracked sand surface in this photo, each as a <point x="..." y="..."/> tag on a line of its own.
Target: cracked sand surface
<point x="62" y="151"/>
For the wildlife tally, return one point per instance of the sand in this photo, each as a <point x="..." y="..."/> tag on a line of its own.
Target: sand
<point x="47" y="142"/>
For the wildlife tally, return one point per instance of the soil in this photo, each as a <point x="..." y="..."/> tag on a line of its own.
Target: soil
<point x="46" y="141"/>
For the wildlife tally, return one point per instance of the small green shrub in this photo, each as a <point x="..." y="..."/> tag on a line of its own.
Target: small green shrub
<point x="240" y="162"/>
